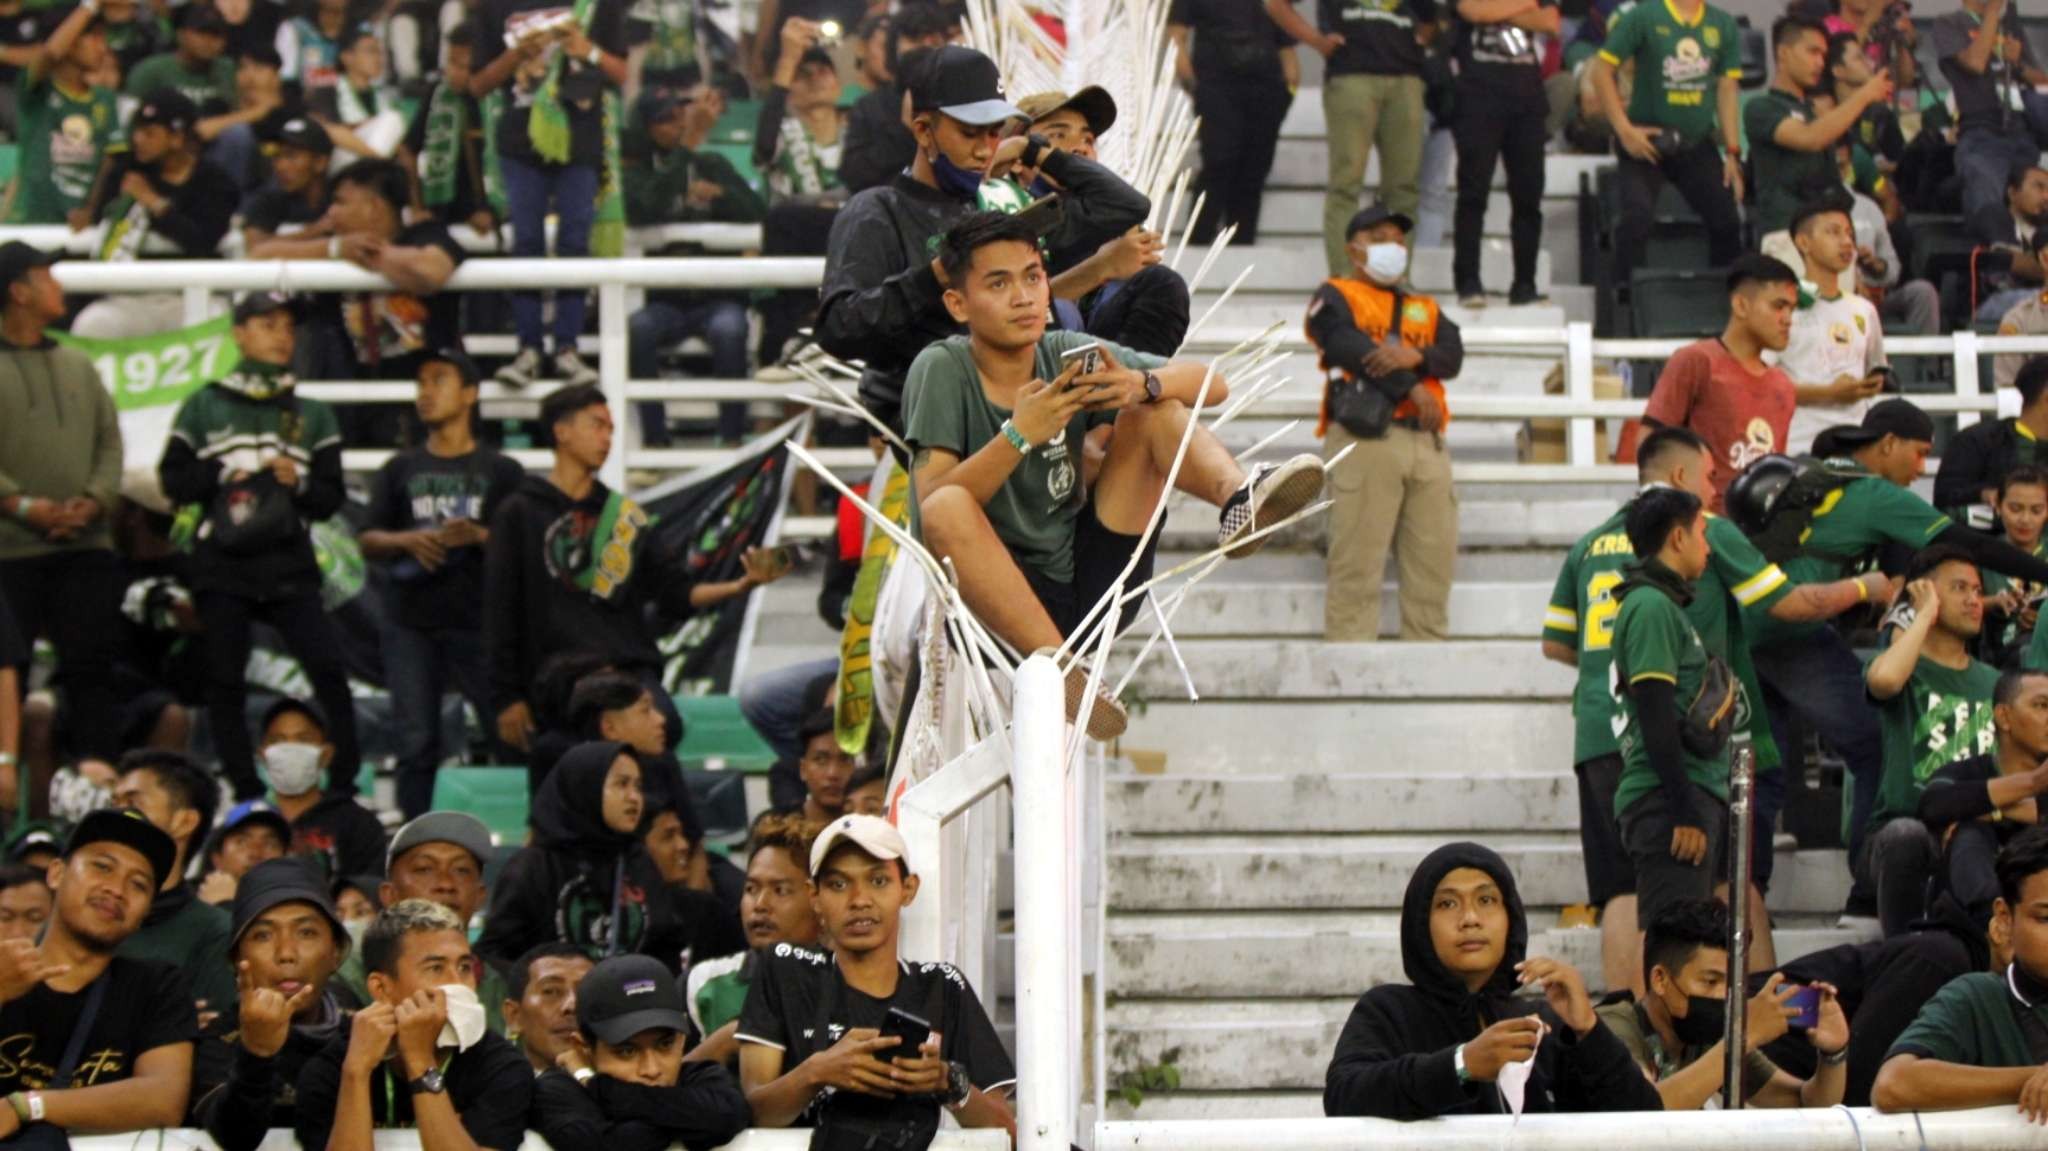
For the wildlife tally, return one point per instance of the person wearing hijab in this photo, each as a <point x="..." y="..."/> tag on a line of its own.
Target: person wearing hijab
<point x="1436" y="1045"/>
<point x="588" y="881"/>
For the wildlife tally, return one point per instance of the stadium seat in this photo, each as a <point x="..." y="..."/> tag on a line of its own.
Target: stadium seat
<point x="1756" y="55"/>
<point x="716" y="737"/>
<point x="720" y="798"/>
<point x="496" y="795"/>
<point x="1666" y="302"/>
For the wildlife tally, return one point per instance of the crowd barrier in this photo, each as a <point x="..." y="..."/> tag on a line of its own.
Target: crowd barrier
<point x="758" y="1139"/>
<point x="1830" y="1129"/>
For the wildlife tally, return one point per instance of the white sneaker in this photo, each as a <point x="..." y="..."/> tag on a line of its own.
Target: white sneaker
<point x="1270" y="494"/>
<point x="570" y="367"/>
<point x="1472" y="299"/>
<point x="522" y="370"/>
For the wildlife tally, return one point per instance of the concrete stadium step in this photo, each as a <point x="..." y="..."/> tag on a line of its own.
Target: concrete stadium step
<point x="1210" y="738"/>
<point x="1296" y="669"/>
<point x="1254" y="308"/>
<point x="1532" y="522"/>
<point x="1311" y="803"/>
<point x="1204" y="1105"/>
<point x="1478" y="611"/>
<point x="1293" y="265"/>
<point x="1299" y="212"/>
<point x="1279" y="955"/>
<point x="1302" y="161"/>
<point x="1184" y="873"/>
<point x="1298" y="558"/>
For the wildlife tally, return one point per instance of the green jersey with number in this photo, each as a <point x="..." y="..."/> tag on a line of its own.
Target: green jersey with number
<point x="1656" y="641"/>
<point x="1943" y="716"/>
<point x="63" y="135"/>
<point x="1581" y="616"/>
<point x="1852" y="522"/>
<point x="1679" y="63"/>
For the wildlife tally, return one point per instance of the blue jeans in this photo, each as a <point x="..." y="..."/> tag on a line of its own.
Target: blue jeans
<point x="1818" y="678"/>
<point x="234" y="151"/>
<point x="529" y="191"/>
<point x="722" y="324"/>
<point x="1991" y="311"/>
<point x="773" y="703"/>
<point x="1983" y="160"/>
<point x="419" y="669"/>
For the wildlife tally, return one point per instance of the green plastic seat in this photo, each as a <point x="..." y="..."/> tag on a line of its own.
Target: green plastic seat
<point x="716" y="737"/>
<point x="496" y="795"/>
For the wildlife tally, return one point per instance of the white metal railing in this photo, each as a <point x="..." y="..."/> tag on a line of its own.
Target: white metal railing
<point x="282" y="1139"/>
<point x="1820" y="1129"/>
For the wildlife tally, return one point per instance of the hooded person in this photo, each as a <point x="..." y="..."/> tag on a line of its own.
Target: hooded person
<point x="1437" y="1045"/>
<point x="587" y="880"/>
<point x="288" y="940"/>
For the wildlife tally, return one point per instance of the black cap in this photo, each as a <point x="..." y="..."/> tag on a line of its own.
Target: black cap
<point x="628" y="994"/>
<point x="964" y="84"/>
<point x="657" y="104"/>
<point x="288" y="703"/>
<point x="34" y="837"/>
<point x="128" y="827"/>
<point x="817" y="55"/>
<point x="1893" y="417"/>
<point x="167" y="107"/>
<point x="288" y="880"/>
<point x="18" y="259"/>
<point x="1373" y="214"/>
<point x="248" y="306"/>
<point x="197" y="17"/>
<point x="460" y="361"/>
<point x="302" y="133"/>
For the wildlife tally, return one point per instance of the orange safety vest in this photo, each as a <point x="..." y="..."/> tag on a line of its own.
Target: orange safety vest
<point x="1372" y="311"/>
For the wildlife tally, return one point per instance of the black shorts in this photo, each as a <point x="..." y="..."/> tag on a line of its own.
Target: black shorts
<point x="1099" y="557"/>
<point x="1660" y="879"/>
<point x="1609" y="871"/>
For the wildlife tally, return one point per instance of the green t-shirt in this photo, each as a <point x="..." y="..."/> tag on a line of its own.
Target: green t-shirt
<point x="1581" y="616"/>
<point x="1943" y="716"/>
<point x="212" y="86"/>
<point x="1679" y="64"/>
<point x="63" y="137"/>
<point x="1969" y="1021"/>
<point x="1034" y="512"/>
<point x="1785" y="177"/>
<point x="1655" y="640"/>
<point x="2008" y="631"/>
<point x="1738" y="576"/>
<point x="1854" y="520"/>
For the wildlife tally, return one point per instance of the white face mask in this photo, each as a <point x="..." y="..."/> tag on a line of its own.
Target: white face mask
<point x="292" y="768"/>
<point x="1386" y="263"/>
<point x="466" y="1022"/>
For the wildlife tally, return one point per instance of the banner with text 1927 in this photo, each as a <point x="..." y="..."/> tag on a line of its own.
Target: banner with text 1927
<point x="706" y="521"/>
<point x="151" y="375"/>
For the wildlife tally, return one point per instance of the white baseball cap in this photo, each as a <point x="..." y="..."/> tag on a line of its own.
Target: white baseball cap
<point x="872" y="834"/>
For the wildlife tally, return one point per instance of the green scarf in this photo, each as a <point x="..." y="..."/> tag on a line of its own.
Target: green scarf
<point x="608" y="227"/>
<point x="492" y="108"/>
<point x="128" y="224"/>
<point x="609" y="567"/>
<point x="547" y="124"/>
<point x="441" y="159"/>
<point x="259" y="381"/>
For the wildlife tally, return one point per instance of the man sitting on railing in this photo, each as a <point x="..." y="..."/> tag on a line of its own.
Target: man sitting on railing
<point x="1676" y="1032"/>
<point x="1980" y="1041"/>
<point x="262" y="464"/>
<point x="1976" y="459"/>
<point x="822" y="1036"/>
<point x="997" y="419"/>
<point x="883" y="300"/>
<point x="1437" y="1045"/>
<point x="95" y="1041"/>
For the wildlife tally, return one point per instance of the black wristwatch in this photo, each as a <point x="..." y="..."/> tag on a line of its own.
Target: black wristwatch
<point x="1151" y="388"/>
<point x="1034" y="150"/>
<point x="958" y="1086"/>
<point x="428" y="1083"/>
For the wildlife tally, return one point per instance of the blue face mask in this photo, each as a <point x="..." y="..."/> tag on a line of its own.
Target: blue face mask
<point x="954" y="180"/>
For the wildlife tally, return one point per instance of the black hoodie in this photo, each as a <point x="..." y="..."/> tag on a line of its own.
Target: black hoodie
<point x="1396" y="1056"/>
<point x="578" y="871"/>
<point x="532" y="606"/>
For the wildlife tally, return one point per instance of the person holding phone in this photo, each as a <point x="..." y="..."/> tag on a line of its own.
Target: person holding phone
<point x="813" y="1047"/>
<point x="1674" y="1032"/>
<point x="1835" y="354"/>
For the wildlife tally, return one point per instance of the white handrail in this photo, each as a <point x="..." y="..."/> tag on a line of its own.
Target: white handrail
<point x="712" y="237"/>
<point x="392" y="1139"/>
<point x="1818" y="1129"/>
<point x="710" y="273"/>
<point x="1047" y="912"/>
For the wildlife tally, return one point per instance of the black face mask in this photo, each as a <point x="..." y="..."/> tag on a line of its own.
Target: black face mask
<point x="1704" y="1023"/>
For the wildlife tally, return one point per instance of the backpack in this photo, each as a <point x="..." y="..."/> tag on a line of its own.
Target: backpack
<point x="1774" y="500"/>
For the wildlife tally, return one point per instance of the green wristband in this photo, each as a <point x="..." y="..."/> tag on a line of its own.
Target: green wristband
<point x="1016" y="438"/>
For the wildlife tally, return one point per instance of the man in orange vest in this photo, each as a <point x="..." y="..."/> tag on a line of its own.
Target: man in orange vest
<point x="1385" y="352"/>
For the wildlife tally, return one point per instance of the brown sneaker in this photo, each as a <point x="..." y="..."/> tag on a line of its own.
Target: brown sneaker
<point x="1107" y="719"/>
<point x="1579" y="915"/>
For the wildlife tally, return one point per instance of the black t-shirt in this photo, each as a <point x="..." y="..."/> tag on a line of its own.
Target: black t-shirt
<point x="798" y="1004"/>
<point x="388" y="332"/>
<point x="340" y="837"/>
<point x="1233" y="38"/>
<point x="583" y="85"/>
<point x="1502" y="56"/>
<point x="1379" y="35"/>
<point x="148" y="1005"/>
<point x="416" y="489"/>
<point x="1984" y="99"/>
<point x="279" y="212"/>
<point x="490" y="1086"/>
<point x="13" y="653"/>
